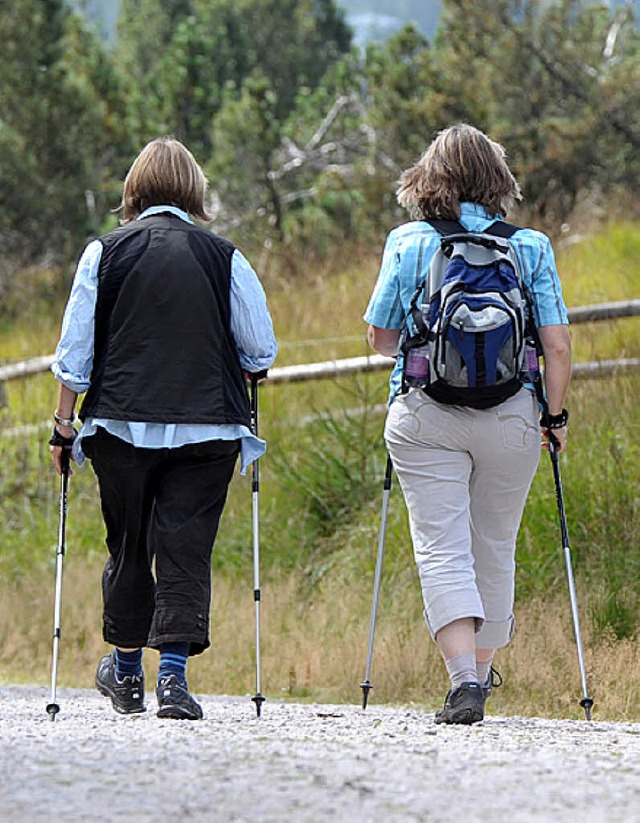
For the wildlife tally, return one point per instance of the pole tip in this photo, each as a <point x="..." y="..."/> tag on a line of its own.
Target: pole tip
<point x="587" y="704"/>
<point x="366" y="688"/>
<point x="258" y="699"/>
<point x="52" y="710"/>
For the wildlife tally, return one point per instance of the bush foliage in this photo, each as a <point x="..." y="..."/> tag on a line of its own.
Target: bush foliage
<point x="301" y="132"/>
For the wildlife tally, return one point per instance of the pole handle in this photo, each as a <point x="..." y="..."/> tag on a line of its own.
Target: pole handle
<point x="65" y="458"/>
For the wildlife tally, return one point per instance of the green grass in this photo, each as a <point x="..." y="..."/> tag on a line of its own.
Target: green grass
<point x="603" y="268"/>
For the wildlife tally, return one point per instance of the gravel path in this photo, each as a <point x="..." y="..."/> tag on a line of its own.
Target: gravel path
<point x="306" y="763"/>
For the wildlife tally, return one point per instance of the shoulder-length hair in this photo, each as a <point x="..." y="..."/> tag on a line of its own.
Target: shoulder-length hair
<point x="462" y="165"/>
<point x="165" y="173"/>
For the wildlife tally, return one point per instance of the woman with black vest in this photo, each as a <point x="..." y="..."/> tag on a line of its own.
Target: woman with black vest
<point x="163" y="323"/>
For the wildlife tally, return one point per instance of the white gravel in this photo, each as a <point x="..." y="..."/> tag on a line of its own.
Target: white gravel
<point x="306" y="763"/>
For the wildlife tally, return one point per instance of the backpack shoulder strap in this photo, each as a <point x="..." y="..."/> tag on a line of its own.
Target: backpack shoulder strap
<point x="506" y="230"/>
<point x="502" y="229"/>
<point x="445" y="227"/>
<point x="498" y="229"/>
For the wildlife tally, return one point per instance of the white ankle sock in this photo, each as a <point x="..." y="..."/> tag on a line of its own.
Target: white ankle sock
<point x="462" y="669"/>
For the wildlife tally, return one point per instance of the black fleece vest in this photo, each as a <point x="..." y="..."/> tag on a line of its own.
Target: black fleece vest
<point x="163" y="350"/>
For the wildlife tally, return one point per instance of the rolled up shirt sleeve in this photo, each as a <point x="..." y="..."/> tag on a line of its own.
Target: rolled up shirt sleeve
<point x="543" y="281"/>
<point x="251" y="324"/>
<point x="385" y="306"/>
<point x="74" y="353"/>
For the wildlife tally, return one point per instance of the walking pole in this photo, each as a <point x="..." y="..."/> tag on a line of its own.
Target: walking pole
<point x="52" y="707"/>
<point x="534" y="350"/>
<point x="366" y="683"/>
<point x="258" y="699"/>
<point x="586" y="701"/>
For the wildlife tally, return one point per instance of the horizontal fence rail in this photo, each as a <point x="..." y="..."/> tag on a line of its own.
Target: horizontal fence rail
<point x="376" y="362"/>
<point x="604" y="311"/>
<point x="34" y="365"/>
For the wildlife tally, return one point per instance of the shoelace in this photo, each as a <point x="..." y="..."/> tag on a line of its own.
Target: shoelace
<point x="134" y="679"/>
<point x="495" y="678"/>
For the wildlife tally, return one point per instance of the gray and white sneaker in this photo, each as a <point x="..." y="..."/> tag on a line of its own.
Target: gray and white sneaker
<point x="174" y="700"/>
<point x="464" y="705"/>
<point x="493" y="681"/>
<point x="127" y="693"/>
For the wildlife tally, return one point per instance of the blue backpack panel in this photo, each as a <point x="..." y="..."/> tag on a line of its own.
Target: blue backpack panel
<point x="471" y="316"/>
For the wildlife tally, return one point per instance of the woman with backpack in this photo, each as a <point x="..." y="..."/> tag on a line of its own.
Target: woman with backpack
<point x="462" y="430"/>
<point x="164" y="323"/>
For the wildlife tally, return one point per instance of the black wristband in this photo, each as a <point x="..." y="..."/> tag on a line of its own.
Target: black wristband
<point x="554" y="421"/>
<point x="58" y="440"/>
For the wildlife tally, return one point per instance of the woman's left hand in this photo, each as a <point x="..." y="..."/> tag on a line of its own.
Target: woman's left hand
<point x="559" y="436"/>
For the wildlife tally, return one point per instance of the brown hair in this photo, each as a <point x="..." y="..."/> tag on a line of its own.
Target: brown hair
<point x="461" y="165"/>
<point x="165" y="173"/>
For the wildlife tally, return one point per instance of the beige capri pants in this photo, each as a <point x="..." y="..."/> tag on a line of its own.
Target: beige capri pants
<point x="465" y="474"/>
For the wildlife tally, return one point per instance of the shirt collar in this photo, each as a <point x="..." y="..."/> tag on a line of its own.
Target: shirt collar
<point x="476" y="210"/>
<point x="171" y="209"/>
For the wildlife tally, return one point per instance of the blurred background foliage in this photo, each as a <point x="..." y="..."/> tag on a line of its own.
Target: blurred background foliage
<point x="302" y="130"/>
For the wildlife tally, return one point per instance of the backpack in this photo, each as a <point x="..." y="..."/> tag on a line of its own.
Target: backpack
<point x="471" y="316"/>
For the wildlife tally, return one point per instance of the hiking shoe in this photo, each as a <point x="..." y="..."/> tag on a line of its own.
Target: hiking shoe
<point x="463" y="705"/>
<point x="175" y="701"/>
<point x="127" y="694"/>
<point x="493" y="681"/>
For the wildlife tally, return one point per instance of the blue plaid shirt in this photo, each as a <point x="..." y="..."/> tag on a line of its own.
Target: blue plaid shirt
<point x="405" y="261"/>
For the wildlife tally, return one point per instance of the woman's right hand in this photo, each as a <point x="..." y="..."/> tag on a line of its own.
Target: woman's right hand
<point x="61" y="441"/>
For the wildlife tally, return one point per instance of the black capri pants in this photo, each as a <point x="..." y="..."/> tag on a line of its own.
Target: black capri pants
<point x="161" y="508"/>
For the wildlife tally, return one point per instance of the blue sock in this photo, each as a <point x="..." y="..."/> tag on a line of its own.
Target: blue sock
<point x="173" y="660"/>
<point x="128" y="664"/>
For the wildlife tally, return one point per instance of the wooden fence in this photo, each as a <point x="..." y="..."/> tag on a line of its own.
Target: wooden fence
<point x="353" y="365"/>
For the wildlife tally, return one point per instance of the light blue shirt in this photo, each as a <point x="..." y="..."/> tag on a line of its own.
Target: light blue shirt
<point x="405" y="261"/>
<point x="252" y="332"/>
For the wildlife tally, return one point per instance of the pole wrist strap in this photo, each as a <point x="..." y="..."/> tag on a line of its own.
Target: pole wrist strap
<point x="554" y="421"/>
<point x="58" y="440"/>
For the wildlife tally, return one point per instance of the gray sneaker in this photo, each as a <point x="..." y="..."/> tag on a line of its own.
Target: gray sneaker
<point x="127" y="694"/>
<point x="493" y="681"/>
<point x="175" y="701"/>
<point x="464" y="705"/>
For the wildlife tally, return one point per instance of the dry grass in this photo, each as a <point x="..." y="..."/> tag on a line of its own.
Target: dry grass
<point x="314" y="646"/>
<point x="327" y="323"/>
